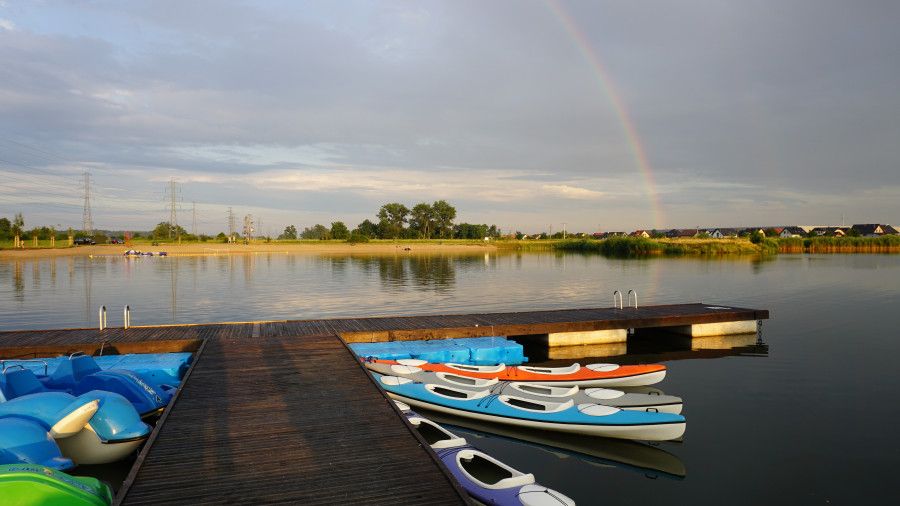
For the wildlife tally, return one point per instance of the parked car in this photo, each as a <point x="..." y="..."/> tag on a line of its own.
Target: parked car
<point x="84" y="241"/>
<point x="116" y="241"/>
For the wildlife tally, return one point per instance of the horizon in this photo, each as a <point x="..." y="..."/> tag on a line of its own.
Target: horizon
<point x="603" y="116"/>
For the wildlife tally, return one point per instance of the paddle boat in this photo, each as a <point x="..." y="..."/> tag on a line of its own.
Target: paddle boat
<point x="483" y="477"/>
<point x="79" y="374"/>
<point x="114" y="431"/>
<point x="590" y="375"/>
<point x="37" y="485"/>
<point x="587" y="418"/>
<point x="24" y="441"/>
<point x="605" y="396"/>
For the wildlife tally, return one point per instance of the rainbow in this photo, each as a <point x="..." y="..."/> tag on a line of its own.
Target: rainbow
<point x="609" y="88"/>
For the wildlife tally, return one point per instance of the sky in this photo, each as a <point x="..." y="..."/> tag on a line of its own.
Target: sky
<point x="527" y="114"/>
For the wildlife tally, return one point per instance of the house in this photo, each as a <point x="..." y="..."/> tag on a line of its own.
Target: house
<point x="889" y="230"/>
<point x="607" y="235"/>
<point x="869" y="229"/>
<point x="640" y="233"/>
<point x="792" y="232"/>
<point x="831" y="231"/>
<point x="753" y="230"/>
<point x="721" y="233"/>
<point x="676" y="233"/>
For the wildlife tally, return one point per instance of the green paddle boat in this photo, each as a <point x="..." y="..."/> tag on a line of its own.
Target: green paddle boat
<point x="34" y="485"/>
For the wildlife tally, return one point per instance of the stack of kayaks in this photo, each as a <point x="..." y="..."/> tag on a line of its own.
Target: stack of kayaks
<point x="605" y="396"/>
<point x="483" y="477"/>
<point x="540" y="397"/>
<point x="587" y="418"/>
<point x="591" y="375"/>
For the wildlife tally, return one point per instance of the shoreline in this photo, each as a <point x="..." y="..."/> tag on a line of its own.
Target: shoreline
<point x="215" y="249"/>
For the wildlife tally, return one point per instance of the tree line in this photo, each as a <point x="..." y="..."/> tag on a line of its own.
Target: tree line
<point x="396" y="221"/>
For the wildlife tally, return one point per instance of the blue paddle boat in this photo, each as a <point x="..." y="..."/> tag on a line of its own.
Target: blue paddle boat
<point x="585" y="418"/>
<point x="24" y="441"/>
<point x="110" y="434"/>
<point x="79" y="374"/>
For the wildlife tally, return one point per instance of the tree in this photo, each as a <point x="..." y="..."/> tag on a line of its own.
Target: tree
<point x="391" y="218"/>
<point x="290" y="232"/>
<point x="470" y="231"/>
<point x="5" y="229"/>
<point x="18" y="224"/>
<point x="367" y="228"/>
<point x="165" y="230"/>
<point x="339" y="230"/>
<point x="444" y="214"/>
<point x="756" y="237"/>
<point x="422" y="220"/>
<point x="317" y="231"/>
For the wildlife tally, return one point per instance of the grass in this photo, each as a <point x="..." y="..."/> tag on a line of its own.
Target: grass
<point x="883" y="244"/>
<point x="627" y="247"/>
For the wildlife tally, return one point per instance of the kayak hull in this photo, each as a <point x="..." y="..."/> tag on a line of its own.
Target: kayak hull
<point x="655" y="432"/>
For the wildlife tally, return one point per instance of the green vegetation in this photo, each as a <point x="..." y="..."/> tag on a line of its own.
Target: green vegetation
<point x="849" y="244"/>
<point x="628" y="247"/>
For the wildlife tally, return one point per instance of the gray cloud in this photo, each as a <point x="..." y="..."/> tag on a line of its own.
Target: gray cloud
<point x="781" y="104"/>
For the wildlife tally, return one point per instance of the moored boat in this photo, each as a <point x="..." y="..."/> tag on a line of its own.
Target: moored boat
<point x="97" y="427"/>
<point x="587" y="418"/>
<point x="608" y="397"/>
<point x="483" y="477"/>
<point x="36" y="485"/>
<point x="590" y="375"/>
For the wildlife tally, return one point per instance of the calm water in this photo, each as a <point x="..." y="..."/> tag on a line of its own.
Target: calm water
<point x="809" y="417"/>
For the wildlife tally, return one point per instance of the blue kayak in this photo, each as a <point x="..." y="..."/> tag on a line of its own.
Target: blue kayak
<point x="584" y="418"/>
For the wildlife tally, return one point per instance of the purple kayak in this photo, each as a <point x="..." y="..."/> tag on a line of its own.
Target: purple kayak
<point x="483" y="477"/>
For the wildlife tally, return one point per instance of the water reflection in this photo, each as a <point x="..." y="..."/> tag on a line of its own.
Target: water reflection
<point x="655" y="346"/>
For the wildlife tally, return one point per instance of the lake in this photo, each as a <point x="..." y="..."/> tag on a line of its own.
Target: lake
<point x="803" y="413"/>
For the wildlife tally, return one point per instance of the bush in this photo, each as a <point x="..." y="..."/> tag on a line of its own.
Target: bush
<point x="357" y="237"/>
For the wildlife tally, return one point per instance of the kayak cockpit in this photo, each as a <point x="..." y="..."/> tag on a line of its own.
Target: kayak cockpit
<point x="436" y="436"/>
<point x="544" y="390"/>
<point x="490" y="473"/>
<point x="535" y="406"/>
<point x="572" y="369"/>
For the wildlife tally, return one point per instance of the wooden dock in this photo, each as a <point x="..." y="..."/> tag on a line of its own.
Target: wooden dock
<point x="256" y="421"/>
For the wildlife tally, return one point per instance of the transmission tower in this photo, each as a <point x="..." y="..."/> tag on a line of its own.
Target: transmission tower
<point x="248" y="228"/>
<point x="230" y="225"/>
<point x="174" y="198"/>
<point x="194" y="219"/>
<point x="87" y="221"/>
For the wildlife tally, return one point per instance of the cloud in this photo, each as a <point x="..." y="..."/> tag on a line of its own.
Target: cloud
<point x="572" y="192"/>
<point x="491" y="104"/>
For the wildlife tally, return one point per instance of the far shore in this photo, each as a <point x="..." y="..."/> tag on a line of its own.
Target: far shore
<point x="211" y="248"/>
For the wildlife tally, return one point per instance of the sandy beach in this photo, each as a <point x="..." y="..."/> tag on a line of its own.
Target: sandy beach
<point x="323" y="247"/>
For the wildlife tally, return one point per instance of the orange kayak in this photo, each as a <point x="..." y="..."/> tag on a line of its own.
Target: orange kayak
<point x="590" y="375"/>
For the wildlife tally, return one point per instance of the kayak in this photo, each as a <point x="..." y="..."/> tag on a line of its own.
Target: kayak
<point x="590" y="375"/>
<point x="605" y="396"/>
<point x="651" y="461"/>
<point x="587" y="418"/>
<point x="483" y="477"/>
<point x="35" y="485"/>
